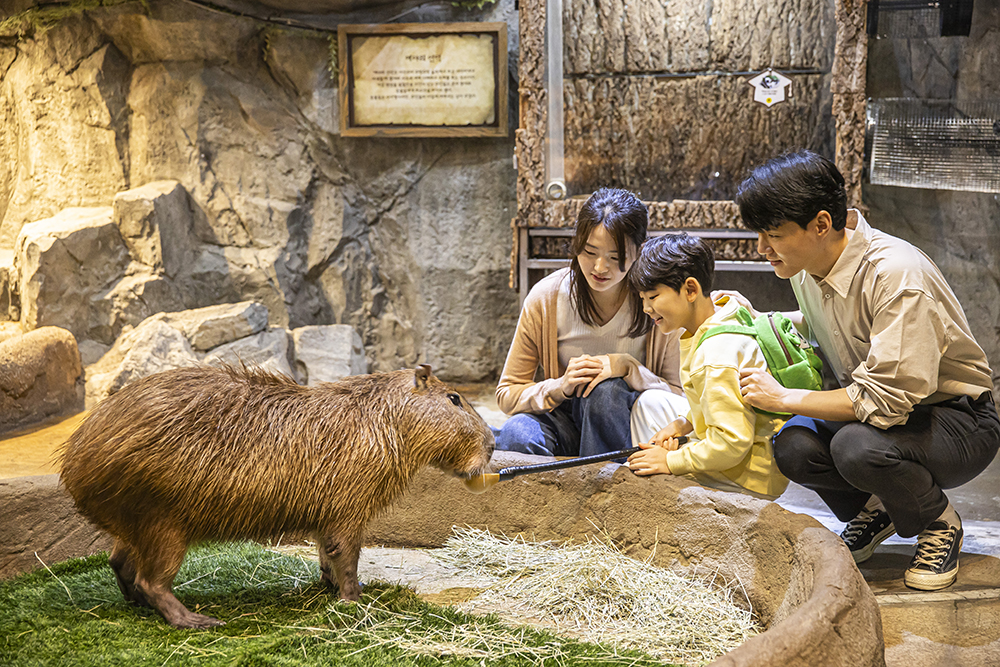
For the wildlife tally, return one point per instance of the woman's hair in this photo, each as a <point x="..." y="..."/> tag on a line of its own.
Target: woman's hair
<point x="626" y="219"/>
<point x="792" y="187"/>
<point x="670" y="260"/>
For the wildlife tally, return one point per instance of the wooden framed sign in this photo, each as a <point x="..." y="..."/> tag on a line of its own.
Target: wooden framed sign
<point x="423" y="80"/>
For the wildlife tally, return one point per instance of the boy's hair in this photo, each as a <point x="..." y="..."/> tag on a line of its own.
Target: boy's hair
<point x="626" y="219"/>
<point x="792" y="187"/>
<point x="670" y="260"/>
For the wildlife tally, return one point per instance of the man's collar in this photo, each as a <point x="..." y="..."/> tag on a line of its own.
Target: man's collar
<point x="842" y="274"/>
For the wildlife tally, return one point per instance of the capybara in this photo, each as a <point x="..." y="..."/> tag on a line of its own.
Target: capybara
<point x="199" y="454"/>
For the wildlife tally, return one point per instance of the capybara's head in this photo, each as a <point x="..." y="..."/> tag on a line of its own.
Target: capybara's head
<point x="459" y="441"/>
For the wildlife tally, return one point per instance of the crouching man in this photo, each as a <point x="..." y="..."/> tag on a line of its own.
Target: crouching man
<point x="915" y="413"/>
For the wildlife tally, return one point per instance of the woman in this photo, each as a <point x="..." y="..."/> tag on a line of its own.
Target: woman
<point x="597" y="350"/>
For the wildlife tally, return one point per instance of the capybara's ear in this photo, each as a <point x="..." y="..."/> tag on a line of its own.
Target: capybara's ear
<point x="420" y="375"/>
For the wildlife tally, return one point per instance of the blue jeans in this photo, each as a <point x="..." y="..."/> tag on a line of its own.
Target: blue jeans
<point x="597" y="424"/>
<point x="940" y="446"/>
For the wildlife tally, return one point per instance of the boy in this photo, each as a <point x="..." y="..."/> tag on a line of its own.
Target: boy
<point x="914" y="414"/>
<point x="731" y="444"/>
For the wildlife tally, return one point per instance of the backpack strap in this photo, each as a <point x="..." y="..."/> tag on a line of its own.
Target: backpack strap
<point x="745" y="327"/>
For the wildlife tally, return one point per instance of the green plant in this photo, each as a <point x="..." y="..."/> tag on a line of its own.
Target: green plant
<point x="37" y="20"/>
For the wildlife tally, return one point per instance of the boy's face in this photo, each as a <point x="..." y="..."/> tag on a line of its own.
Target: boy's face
<point x="670" y="309"/>
<point x="790" y="248"/>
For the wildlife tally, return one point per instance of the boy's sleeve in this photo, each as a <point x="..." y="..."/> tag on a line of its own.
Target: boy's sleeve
<point x="729" y="424"/>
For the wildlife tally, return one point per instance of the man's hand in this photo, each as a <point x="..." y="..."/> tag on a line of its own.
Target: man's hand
<point x="652" y="460"/>
<point x="737" y="297"/>
<point x="761" y="390"/>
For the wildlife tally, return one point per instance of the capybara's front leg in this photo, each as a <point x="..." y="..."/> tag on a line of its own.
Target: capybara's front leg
<point x="338" y="560"/>
<point x="157" y="563"/>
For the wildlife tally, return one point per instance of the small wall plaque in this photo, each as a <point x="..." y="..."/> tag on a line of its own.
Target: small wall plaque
<point x="423" y="80"/>
<point x="769" y="87"/>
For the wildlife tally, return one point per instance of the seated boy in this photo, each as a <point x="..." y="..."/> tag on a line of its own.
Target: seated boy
<point x="730" y="445"/>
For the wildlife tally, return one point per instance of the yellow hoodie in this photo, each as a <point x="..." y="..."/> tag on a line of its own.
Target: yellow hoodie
<point x="729" y="436"/>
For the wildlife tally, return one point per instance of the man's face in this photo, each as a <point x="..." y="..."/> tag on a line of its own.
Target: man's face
<point x="790" y="248"/>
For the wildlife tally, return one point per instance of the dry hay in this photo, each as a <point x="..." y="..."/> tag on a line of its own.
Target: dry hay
<point x="594" y="592"/>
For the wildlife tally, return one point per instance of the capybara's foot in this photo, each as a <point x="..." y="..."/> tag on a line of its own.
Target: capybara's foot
<point x="175" y="613"/>
<point x="194" y="621"/>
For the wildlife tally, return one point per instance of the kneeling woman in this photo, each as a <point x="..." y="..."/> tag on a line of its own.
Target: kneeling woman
<point x="585" y="328"/>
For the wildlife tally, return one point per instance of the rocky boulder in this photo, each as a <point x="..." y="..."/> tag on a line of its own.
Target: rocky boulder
<point x="235" y="334"/>
<point x="212" y="326"/>
<point x="151" y="347"/>
<point x="267" y="349"/>
<point x="40" y="376"/>
<point x="62" y="262"/>
<point x="327" y="353"/>
<point x="156" y="222"/>
<point x="170" y="340"/>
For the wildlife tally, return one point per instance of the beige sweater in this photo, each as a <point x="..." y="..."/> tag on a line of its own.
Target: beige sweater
<point x="536" y="344"/>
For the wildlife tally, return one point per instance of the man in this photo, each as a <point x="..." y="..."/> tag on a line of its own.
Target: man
<point x="915" y="413"/>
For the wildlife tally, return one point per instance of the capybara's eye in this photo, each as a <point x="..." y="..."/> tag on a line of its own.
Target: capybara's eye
<point x="456" y="399"/>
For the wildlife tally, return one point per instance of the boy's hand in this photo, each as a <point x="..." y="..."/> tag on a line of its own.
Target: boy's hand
<point x="652" y="460"/>
<point x="761" y="390"/>
<point x="667" y="436"/>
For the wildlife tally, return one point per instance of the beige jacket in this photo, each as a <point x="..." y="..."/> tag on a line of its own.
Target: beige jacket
<point x="890" y="325"/>
<point x="536" y="344"/>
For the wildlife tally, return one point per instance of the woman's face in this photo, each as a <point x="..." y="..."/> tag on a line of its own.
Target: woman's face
<point x="599" y="260"/>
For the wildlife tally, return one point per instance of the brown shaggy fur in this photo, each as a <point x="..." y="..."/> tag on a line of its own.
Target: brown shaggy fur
<point x="199" y="454"/>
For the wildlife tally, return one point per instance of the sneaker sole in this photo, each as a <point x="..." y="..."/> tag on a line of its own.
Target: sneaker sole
<point x="924" y="581"/>
<point x="861" y="555"/>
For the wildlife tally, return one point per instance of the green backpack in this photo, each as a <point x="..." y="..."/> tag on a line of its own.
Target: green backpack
<point x="789" y="357"/>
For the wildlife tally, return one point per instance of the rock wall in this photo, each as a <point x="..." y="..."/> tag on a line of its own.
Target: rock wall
<point x="374" y="233"/>
<point x="958" y="230"/>
<point x="657" y="97"/>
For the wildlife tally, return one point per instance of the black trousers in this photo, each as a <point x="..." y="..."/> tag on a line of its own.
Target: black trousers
<point x="941" y="446"/>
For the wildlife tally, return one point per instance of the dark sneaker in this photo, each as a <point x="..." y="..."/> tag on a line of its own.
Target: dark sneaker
<point x="935" y="564"/>
<point x="866" y="531"/>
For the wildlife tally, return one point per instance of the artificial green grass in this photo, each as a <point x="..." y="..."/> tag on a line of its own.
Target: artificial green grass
<point x="277" y="613"/>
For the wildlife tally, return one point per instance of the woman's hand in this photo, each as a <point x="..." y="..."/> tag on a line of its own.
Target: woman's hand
<point x="652" y="460"/>
<point x="581" y="373"/>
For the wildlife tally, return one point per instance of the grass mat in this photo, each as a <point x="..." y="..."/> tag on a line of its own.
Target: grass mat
<point x="277" y="613"/>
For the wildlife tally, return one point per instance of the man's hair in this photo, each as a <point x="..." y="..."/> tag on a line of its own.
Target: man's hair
<point x="670" y="260"/>
<point x="792" y="187"/>
<point x="626" y="219"/>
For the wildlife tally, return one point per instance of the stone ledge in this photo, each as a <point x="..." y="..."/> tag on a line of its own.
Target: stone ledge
<point x="799" y="577"/>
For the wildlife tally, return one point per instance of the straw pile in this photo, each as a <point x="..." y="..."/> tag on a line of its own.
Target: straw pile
<point x="594" y="592"/>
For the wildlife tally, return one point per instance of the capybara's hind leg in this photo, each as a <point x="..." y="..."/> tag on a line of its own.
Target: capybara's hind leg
<point x="338" y="560"/>
<point x="157" y="563"/>
<point x="123" y="565"/>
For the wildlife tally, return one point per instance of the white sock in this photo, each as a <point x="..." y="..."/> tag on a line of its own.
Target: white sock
<point x="875" y="504"/>
<point x="950" y="516"/>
